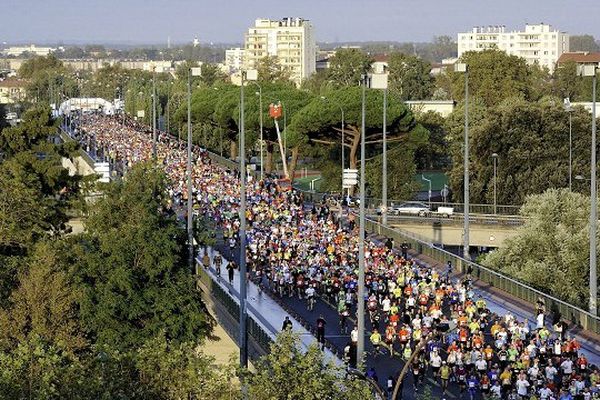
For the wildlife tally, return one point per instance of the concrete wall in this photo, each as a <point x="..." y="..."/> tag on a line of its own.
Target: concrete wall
<point x="451" y="235"/>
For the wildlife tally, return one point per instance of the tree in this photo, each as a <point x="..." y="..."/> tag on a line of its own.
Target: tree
<point x="583" y="43"/>
<point x="522" y="134"/>
<point x="435" y="155"/>
<point x="44" y="304"/>
<point x="347" y="66"/>
<point x="270" y="70"/>
<point x="289" y="373"/>
<point x="319" y="121"/>
<point x="32" y="66"/>
<point x="128" y="269"/>
<point x="180" y="371"/>
<point x="495" y="76"/>
<point x="211" y="74"/>
<point x="401" y="172"/>
<point x="551" y="250"/>
<point x="410" y="77"/>
<point x="35" y="190"/>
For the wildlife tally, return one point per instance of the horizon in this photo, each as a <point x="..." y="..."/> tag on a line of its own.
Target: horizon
<point x="36" y="21"/>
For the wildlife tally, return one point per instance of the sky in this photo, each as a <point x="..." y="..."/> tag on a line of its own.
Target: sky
<point x="225" y="21"/>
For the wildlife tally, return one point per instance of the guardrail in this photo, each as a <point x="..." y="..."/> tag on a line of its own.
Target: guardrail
<point x="255" y="331"/>
<point x="493" y="278"/>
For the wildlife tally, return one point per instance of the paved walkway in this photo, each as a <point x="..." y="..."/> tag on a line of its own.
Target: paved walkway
<point x="261" y="307"/>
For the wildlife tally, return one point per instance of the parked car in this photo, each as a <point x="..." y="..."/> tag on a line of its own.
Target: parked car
<point x="412" y="208"/>
<point x="445" y="212"/>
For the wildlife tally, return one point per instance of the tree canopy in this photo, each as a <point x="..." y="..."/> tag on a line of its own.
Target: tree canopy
<point x="551" y="250"/>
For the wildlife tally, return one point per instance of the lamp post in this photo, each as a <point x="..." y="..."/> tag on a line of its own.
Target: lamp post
<point x="360" y="347"/>
<point x="154" y="138"/>
<point x="569" y="109"/>
<point x="190" y="201"/>
<point x="260" y="119"/>
<point x="592" y="70"/>
<point x="246" y="75"/>
<point x="343" y="161"/>
<point x="380" y="81"/>
<point x="429" y="192"/>
<point x="461" y="67"/>
<point x="495" y="158"/>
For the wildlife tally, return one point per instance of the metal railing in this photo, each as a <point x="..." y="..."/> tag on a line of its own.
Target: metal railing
<point x="255" y="330"/>
<point x="492" y="278"/>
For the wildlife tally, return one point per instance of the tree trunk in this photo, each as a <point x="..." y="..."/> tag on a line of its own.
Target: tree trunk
<point x="269" y="158"/>
<point x="233" y="150"/>
<point x="294" y="162"/>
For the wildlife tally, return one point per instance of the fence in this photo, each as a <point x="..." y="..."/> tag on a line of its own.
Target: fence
<point x="492" y="278"/>
<point x="255" y="331"/>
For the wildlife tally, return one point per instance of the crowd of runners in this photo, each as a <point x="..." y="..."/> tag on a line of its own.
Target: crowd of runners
<point x="308" y="252"/>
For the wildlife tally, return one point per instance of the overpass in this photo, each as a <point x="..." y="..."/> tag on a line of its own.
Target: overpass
<point x="484" y="230"/>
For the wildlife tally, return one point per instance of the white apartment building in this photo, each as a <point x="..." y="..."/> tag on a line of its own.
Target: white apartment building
<point x="538" y="43"/>
<point x="16" y="51"/>
<point x="292" y="40"/>
<point x="234" y="59"/>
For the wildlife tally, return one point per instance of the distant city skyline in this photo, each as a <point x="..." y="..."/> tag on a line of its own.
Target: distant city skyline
<point x="137" y="22"/>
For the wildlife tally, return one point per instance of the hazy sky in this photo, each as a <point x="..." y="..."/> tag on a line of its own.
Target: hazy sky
<point x="152" y="21"/>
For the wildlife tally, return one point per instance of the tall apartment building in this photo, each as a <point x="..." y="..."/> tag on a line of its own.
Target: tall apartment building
<point x="292" y="40"/>
<point x="539" y="43"/>
<point x="233" y="59"/>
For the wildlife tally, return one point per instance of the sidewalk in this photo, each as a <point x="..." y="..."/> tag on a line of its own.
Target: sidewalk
<point x="261" y="307"/>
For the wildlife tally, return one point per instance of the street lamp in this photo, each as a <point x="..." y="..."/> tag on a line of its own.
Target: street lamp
<point x="154" y="138"/>
<point x="569" y="109"/>
<point x="190" y="200"/>
<point x="260" y="113"/>
<point x="250" y="75"/>
<point x="462" y="68"/>
<point x="592" y="70"/>
<point x="429" y="192"/>
<point x="495" y="158"/>
<point x="380" y="81"/>
<point x="343" y="161"/>
<point x="360" y="347"/>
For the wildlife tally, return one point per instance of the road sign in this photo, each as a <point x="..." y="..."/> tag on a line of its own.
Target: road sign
<point x="350" y="178"/>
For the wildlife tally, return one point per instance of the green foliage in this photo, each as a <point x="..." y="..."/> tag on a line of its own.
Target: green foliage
<point x="401" y="171"/>
<point x="435" y="155"/>
<point x="30" y="67"/>
<point x="35" y="190"/>
<point x="410" y="77"/>
<point x="532" y="143"/>
<point x="312" y="377"/>
<point x="567" y="83"/>
<point x="583" y="43"/>
<point x="129" y="271"/>
<point x="495" y="76"/>
<point x="551" y="250"/>
<point x="347" y="66"/>
<point x="108" y="82"/>
<point x="270" y="70"/>
<point x="44" y="304"/>
<point x="179" y="371"/>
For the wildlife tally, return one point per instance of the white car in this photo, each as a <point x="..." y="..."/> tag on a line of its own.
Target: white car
<point x="412" y="208"/>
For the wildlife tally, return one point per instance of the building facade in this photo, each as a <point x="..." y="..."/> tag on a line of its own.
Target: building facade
<point x="234" y="59"/>
<point x="16" y="51"/>
<point x="291" y="40"/>
<point x="538" y="43"/>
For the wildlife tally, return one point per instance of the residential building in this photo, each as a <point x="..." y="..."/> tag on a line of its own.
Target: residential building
<point x="581" y="58"/>
<point x="33" y="49"/>
<point x="291" y="40"/>
<point x="538" y="43"/>
<point x="12" y="90"/>
<point x="234" y="59"/>
<point x="442" y="107"/>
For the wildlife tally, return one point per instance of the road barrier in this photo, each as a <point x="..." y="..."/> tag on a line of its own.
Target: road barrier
<point x="493" y="278"/>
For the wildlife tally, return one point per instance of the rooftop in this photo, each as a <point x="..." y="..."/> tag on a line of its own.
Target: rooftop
<point x="579" y="57"/>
